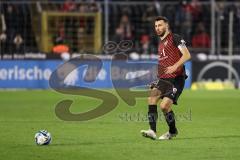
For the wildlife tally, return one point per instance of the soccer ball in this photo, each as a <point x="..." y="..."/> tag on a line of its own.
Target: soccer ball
<point x="43" y="137"/>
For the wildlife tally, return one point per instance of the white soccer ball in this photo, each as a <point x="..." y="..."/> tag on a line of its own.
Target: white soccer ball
<point x="43" y="137"/>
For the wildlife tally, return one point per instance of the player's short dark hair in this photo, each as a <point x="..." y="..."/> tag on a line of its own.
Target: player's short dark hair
<point x="159" y="18"/>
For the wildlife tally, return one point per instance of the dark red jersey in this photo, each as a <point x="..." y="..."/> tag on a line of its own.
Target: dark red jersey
<point x="169" y="54"/>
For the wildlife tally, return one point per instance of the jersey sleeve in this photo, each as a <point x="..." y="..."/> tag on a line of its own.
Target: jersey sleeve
<point x="178" y="41"/>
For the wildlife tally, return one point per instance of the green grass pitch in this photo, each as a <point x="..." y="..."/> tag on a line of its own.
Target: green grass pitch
<point x="208" y="123"/>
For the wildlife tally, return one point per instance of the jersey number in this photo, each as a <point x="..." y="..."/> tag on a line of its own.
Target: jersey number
<point x="163" y="53"/>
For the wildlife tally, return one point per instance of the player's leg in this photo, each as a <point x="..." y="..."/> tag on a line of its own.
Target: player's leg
<point x="165" y="106"/>
<point x="152" y="113"/>
<point x="152" y="108"/>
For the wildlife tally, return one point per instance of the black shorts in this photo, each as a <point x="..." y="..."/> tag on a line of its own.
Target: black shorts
<point x="178" y="83"/>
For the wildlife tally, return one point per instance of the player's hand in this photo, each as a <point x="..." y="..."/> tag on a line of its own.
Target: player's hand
<point x="171" y="69"/>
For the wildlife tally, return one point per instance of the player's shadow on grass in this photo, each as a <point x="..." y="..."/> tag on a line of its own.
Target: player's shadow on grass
<point x="210" y="137"/>
<point x="86" y="143"/>
<point x="95" y="143"/>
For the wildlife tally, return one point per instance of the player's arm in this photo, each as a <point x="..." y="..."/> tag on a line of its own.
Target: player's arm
<point x="185" y="56"/>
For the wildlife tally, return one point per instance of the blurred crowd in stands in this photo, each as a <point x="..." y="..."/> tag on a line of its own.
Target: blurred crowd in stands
<point x="15" y="29"/>
<point x="191" y="19"/>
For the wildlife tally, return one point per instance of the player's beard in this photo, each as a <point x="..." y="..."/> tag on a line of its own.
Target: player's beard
<point x="163" y="33"/>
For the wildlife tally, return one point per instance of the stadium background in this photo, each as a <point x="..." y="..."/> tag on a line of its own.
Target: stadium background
<point x="37" y="36"/>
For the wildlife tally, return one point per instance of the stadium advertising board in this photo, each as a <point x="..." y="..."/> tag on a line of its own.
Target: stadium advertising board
<point x="35" y="74"/>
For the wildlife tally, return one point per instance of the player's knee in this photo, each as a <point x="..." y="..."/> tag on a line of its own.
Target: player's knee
<point x="153" y="97"/>
<point x="164" y="107"/>
<point x="152" y="100"/>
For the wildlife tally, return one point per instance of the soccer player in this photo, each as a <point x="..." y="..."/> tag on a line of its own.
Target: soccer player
<point x="173" y="53"/>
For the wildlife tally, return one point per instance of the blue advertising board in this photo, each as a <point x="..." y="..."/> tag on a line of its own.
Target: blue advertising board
<point x="35" y="74"/>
